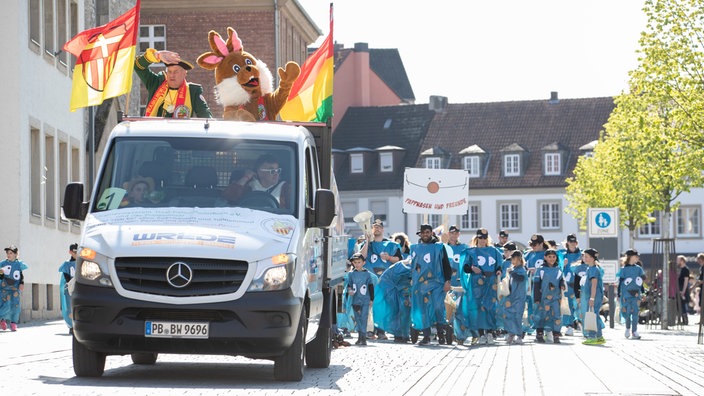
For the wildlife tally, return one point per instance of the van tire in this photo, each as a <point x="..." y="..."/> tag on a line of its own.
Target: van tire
<point x="319" y="350"/>
<point x="144" y="358"/>
<point x="87" y="363"/>
<point x="289" y="366"/>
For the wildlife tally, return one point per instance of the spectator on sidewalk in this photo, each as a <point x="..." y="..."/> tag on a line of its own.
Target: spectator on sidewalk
<point x="683" y="288"/>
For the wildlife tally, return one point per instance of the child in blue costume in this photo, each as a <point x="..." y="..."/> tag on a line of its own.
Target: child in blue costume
<point x="11" y="288"/>
<point x="534" y="260"/>
<point x="360" y="289"/>
<point x="484" y="268"/>
<point x="592" y="295"/>
<point x="515" y="303"/>
<point x="507" y="250"/>
<point x="459" y="321"/>
<point x="548" y="285"/>
<point x="68" y="271"/>
<point x="630" y="288"/>
<point x="393" y="301"/>
<point x="571" y="255"/>
<point x="430" y="281"/>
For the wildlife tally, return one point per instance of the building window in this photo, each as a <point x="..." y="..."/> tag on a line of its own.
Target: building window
<point x="48" y="10"/>
<point x="386" y="162"/>
<point x="550" y="213"/>
<point x="432" y="162"/>
<point x="688" y="221"/>
<point x="509" y="216"/>
<point x="651" y="229"/>
<point x="350" y="210"/>
<point x="356" y="163"/>
<point x="49" y="178"/>
<point x="62" y="28"/>
<point x="380" y="209"/>
<point x="435" y="220"/>
<point x="470" y="221"/>
<point x="35" y="172"/>
<point x="152" y="36"/>
<point x="35" y="22"/>
<point x="552" y="164"/>
<point x="471" y="165"/>
<point x="512" y="165"/>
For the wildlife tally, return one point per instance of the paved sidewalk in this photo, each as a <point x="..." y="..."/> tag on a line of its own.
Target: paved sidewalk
<point x="670" y="362"/>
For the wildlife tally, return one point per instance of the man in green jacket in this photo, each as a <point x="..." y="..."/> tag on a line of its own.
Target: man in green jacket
<point x="169" y="93"/>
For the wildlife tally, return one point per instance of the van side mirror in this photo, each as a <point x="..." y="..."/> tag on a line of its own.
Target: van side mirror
<point x="324" y="208"/>
<point x="74" y="208"/>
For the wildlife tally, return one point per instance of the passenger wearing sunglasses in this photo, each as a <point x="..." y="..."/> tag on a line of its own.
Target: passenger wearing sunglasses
<point x="265" y="177"/>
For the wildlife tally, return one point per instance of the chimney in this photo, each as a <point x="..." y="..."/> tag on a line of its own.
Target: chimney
<point x="362" y="94"/>
<point x="437" y="103"/>
<point x="553" y="98"/>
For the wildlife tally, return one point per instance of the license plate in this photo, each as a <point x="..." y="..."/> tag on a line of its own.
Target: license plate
<point x="176" y="329"/>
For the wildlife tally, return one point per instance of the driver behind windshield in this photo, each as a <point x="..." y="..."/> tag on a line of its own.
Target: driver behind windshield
<point x="265" y="177"/>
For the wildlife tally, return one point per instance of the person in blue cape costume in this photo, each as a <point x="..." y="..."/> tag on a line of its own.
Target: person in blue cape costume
<point x="392" y="302"/>
<point x="571" y="256"/>
<point x="67" y="271"/>
<point x="11" y="287"/>
<point x="534" y="260"/>
<point x="592" y="296"/>
<point x="430" y="281"/>
<point x="630" y="291"/>
<point x="508" y="248"/>
<point x="360" y="290"/>
<point x="457" y="316"/>
<point x="515" y="303"/>
<point x="484" y="267"/>
<point x="381" y="253"/>
<point x="548" y="285"/>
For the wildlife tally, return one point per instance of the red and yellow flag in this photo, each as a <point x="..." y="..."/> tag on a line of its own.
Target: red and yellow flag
<point x="311" y="94"/>
<point x="105" y="59"/>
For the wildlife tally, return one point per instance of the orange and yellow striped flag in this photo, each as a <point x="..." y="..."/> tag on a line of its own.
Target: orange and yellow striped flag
<point x="310" y="98"/>
<point x="105" y="59"/>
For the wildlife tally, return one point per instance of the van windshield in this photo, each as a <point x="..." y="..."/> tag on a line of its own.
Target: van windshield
<point x="199" y="173"/>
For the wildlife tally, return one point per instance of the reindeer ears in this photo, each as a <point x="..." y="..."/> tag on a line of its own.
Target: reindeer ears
<point x="220" y="48"/>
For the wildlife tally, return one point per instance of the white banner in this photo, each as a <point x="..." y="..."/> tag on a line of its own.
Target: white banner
<point x="435" y="191"/>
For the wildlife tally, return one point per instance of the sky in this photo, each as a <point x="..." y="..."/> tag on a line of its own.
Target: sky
<point x="497" y="50"/>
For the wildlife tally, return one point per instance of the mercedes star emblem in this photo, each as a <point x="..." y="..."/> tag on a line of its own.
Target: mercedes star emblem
<point x="179" y="275"/>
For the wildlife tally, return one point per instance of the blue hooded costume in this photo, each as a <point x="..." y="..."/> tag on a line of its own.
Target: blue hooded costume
<point x="514" y="304"/>
<point x="461" y="320"/>
<point x="10" y="292"/>
<point x="548" y="284"/>
<point x="630" y="286"/>
<point x="67" y="270"/>
<point x="593" y="272"/>
<point x="360" y="291"/>
<point x="427" y="282"/>
<point x="484" y="288"/>
<point x="392" y="302"/>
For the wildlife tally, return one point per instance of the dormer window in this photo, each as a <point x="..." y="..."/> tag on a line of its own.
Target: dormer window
<point x="512" y="165"/>
<point x="386" y="162"/>
<point x="356" y="163"/>
<point x="433" y="162"/>
<point x="471" y="165"/>
<point x="553" y="164"/>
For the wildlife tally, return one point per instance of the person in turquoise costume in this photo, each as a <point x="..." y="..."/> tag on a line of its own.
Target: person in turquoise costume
<point x="381" y="253"/>
<point x="534" y="260"/>
<point x="430" y="281"/>
<point x="508" y="248"/>
<point x="459" y="327"/>
<point x="592" y="296"/>
<point x="170" y="95"/>
<point x="579" y="272"/>
<point x="630" y="289"/>
<point x="392" y="302"/>
<point x="484" y="267"/>
<point x="515" y="303"/>
<point x="11" y="288"/>
<point x="571" y="255"/>
<point x="360" y="290"/>
<point x="548" y="285"/>
<point x="68" y="272"/>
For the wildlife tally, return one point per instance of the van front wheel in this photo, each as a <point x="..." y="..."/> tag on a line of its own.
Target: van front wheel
<point x="289" y="366"/>
<point x="87" y="363"/>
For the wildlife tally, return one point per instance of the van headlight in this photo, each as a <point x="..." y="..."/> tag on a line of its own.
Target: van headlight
<point x="274" y="273"/>
<point x="92" y="268"/>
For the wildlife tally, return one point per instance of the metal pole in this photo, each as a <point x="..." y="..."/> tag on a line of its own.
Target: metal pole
<point x="665" y="283"/>
<point x="91" y="147"/>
